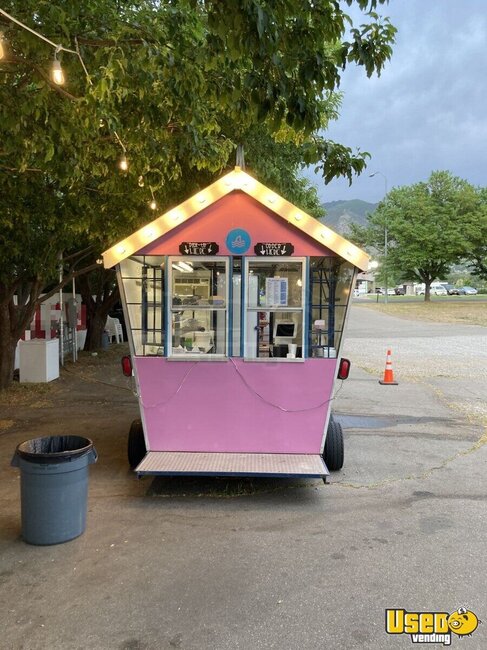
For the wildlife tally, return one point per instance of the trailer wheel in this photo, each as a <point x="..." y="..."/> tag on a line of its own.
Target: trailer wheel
<point x="334" y="453"/>
<point x="136" y="444"/>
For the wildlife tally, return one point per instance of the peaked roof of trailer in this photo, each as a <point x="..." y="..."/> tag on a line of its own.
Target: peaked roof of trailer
<point x="236" y="180"/>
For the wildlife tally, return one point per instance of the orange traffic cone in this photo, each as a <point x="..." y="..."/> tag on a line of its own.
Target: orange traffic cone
<point x="388" y="374"/>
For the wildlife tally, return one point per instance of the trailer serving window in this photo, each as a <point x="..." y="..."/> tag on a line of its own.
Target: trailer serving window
<point x="274" y="324"/>
<point x="198" y="295"/>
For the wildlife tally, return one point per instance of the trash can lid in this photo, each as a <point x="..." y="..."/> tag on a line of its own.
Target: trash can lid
<point x="54" y="448"/>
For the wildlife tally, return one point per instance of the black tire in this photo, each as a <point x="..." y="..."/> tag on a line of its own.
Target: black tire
<point x="334" y="452"/>
<point x="136" y="444"/>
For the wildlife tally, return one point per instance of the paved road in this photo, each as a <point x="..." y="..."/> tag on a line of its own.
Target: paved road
<point x="202" y="565"/>
<point x="400" y="299"/>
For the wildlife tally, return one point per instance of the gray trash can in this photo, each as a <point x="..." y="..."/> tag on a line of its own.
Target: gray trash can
<point x="54" y="487"/>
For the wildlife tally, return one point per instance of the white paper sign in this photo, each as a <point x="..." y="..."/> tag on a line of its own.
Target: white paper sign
<point x="276" y="292"/>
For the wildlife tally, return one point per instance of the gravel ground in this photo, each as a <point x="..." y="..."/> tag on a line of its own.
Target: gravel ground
<point x="440" y="355"/>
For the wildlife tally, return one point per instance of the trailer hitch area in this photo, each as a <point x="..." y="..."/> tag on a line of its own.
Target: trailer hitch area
<point x="344" y="369"/>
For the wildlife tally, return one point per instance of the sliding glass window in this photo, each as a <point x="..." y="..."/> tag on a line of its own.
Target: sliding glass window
<point x="198" y="306"/>
<point x="274" y="324"/>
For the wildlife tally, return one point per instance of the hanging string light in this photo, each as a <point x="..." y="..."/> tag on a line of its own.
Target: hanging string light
<point x="58" y="78"/>
<point x="123" y="163"/>
<point x="153" y="202"/>
<point x="57" y="74"/>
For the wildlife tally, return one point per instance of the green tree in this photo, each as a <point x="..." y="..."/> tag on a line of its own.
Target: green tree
<point x="428" y="226"/>
<point x="175" y="86"/>
<point x="477" y="237"/>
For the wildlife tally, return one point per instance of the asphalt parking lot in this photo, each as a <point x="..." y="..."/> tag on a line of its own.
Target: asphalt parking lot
<point x="201" y="564"/>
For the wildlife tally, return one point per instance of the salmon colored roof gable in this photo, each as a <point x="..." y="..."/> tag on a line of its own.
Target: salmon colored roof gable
<point x="236" y="180"/>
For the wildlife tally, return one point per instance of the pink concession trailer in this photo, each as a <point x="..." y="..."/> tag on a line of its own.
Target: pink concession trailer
<point x="235" y="303"/>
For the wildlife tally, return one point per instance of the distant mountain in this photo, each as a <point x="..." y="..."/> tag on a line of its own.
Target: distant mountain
<point x="339" y="214"/>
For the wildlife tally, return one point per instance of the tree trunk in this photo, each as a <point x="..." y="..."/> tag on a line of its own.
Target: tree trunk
<point x="13" y="321"/>
<point x="7" y="354"/>
<point x="95" y="329"/>
<point x="427" y="291"/>
<point x="100" y="294"/>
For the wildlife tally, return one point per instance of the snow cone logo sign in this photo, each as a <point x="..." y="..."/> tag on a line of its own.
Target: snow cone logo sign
<point x="431" y="627"/>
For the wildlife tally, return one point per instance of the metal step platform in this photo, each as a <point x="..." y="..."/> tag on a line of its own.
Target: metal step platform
<point x="176" y="463"/>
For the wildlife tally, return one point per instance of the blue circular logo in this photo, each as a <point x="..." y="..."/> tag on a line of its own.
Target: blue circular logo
<point x="238" y="241"/>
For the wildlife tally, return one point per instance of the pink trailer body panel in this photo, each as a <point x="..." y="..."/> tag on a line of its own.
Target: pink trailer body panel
<point x="233" y="406"/>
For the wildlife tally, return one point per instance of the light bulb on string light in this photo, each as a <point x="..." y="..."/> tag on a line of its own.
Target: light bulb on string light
<point x="141" y="181"/>
<point x="57" y="74"/>
<point x="152" y="202"/>
<point x="123" y="163"/>
<point x="2" y="47"/>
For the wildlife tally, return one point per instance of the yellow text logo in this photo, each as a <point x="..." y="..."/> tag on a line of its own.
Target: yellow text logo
<point x="431" y="627"/>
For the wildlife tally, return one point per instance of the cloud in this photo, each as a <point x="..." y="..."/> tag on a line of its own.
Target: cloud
<point x="427" y="111"/>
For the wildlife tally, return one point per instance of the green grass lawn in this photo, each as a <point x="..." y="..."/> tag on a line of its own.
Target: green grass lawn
<point x="469" y="310"/>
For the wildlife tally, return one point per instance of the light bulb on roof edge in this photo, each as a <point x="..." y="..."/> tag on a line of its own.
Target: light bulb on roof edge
<point x="123" y="163"/>
<point x="57" y="74"/>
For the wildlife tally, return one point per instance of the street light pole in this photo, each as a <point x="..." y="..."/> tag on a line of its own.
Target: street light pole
<point x="385" y="231"/>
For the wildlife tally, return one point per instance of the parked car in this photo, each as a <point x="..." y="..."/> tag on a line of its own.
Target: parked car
<point x="391" y="292"/>
<point x="399" y="291"/>
<point x="451" y="289"/>
<point x="467" y="291"/>
<point x="435" y="290"/>
<point x="439" y="291"/>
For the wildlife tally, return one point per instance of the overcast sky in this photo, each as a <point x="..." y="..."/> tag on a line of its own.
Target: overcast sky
<point x="428" y="109"/>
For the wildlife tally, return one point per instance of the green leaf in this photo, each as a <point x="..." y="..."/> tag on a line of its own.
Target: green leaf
<point x="49" y="152"/>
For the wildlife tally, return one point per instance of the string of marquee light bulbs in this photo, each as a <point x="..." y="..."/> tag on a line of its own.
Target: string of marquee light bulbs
<point x="57" y="77"/>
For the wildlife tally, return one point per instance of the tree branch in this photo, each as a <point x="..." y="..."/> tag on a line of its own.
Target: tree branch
<point x="66" y="279"/>
<point x="43" y="74"/>
<point x="108" y="42"/>
<point x="73" y="256"/>
<point x="17" y="169"/>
